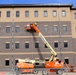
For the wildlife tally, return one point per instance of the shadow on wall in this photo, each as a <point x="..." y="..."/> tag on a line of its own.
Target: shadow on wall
<point x="38" y="49"/>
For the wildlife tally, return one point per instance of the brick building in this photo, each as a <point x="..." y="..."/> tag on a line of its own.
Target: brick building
<point x="57" y="22"/>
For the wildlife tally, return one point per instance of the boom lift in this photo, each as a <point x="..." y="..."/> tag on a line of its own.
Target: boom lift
<point x="52" y="63"/>
<point x="34" y="27"/>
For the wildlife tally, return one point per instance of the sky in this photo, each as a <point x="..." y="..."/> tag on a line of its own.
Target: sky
<point x="38" y="2"/>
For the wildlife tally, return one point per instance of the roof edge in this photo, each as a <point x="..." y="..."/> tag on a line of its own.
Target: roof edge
<point x="35" y="5"/>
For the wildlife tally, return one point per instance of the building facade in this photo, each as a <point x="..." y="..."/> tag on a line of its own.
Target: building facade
<point x="57" y="23"/>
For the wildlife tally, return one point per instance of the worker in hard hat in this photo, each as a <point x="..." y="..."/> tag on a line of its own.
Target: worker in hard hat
<point x="36" y="23"/>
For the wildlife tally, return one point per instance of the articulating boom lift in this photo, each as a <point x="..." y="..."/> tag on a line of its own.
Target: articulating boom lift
<point x="52" y="63"/>
<point x="53" y="57"/>
<point x="34" y="27"/>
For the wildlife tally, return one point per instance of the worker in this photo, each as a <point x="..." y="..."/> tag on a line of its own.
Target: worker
<point x="36" y="23"/>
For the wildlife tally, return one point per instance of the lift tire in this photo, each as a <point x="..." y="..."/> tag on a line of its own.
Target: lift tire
<point x="35" y="72"/>
<point x="60" y="72"/>
<point x="44" y="72"/>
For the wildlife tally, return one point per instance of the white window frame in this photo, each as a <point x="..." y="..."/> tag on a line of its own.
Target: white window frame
<point x="45" y="28"/>
<point x="54" y="13"/>
<point x="64" y="30"/>
<point x="8" y="14"/>
<point x="18" y="30"/>
<point x="15" y="45"/>
<point x="17" y="13"/>
<point x="75" y="15"/>
<point x="63" y="13"/>
<point x="26" y="13"/>
<point x="55" y="28"/>
<point x="45" y="13"/>
<point x="7" y="30"/>
<point x="36" y="13"/>
<point x="7" y="43"/>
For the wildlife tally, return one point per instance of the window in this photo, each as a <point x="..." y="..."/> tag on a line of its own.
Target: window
<point x="45" y="13"/>
<point x="46" y="59"/>
<point x="55" y="28"/>
<point x="67" y="60"/>
<point x="36" y="13"/>
<point x="7" y="62"/>
<point x="26" y="45"/>
<point x="75" y="29"/>
<point x="16" y="61"/>
<point x="36" y="45"/>
<point x="75" y="15"/>
<point x="0" y="13"/>
<point x="17" y="13"/>
<point x="45" y="28"/>
<point x="8" y="13"/>
<point x="64" y="28"/>
<point x="63" y="13"/>
<point x="26" y="13"/>
<point x="46" y="46"/>
<point x="7" y="29"/>
<point x="54" y="13"/>
<point x="17" y="29"/>
<point x="36" y="63"/>
<point x="56" y="44"/>
<point x="17" y="45"/>
<point x="0" y="28"/>
<point x="7" y="45"/>
<point x="65" y="44"/>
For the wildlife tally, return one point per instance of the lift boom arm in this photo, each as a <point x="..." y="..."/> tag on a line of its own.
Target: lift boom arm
<point x="54" y="54"/>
